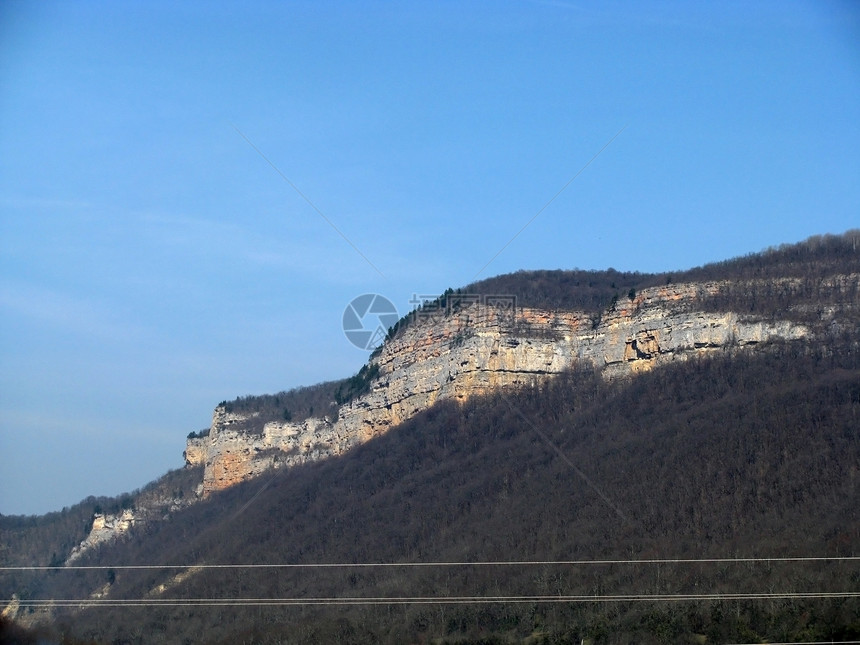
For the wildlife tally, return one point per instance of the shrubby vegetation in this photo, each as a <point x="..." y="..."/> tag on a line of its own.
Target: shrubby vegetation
<point x="294" y="405"/>
<point x="733" y="455"/>
<point x="730" y="456"/>
<point x="299" y="404"/>
<point x="593" y="292"/>
<point x="356" y="385"/>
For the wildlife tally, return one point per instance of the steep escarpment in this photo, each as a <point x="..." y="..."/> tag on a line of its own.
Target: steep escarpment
<point x="474" y="349"/>
<point x="743" y="455"/>
<point x="757" y="438"/>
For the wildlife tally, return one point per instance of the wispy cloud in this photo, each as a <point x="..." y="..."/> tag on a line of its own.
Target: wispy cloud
<point x="309" y="202"/>
<point x="242" y="246"/>
<point x="64" y="312"/>
<point x="42" y="203"/>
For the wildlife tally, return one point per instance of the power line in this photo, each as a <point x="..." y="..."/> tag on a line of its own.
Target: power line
<point x="425" y="600"/>
<point x="552" y="199"/>
<point x="805" y="643"/>
<point x="497" y="563"/>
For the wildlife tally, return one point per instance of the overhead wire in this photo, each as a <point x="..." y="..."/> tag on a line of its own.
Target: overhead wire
<point x="388" y="600"/>
<point x="494" y="563"/>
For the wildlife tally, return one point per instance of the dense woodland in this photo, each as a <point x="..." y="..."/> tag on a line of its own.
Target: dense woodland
<point x="722" y="457"/>
<point x="42" y="540"/>
<point x="810" y="261"/>
<point x="725" y="456"/>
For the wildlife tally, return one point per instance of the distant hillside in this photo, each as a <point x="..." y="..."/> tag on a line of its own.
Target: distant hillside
<point x="42" y="540"/>
<point x="746" y="456"/>
<point x="727" y="457"/>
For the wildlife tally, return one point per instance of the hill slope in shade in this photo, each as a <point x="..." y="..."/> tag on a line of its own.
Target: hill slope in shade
<point x="462" y="345"/>
<point x="727" y="457"/>
<point x="452" y="526"/>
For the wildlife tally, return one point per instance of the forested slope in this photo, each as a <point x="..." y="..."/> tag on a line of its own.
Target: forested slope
<point x="735" y="456"/>
<point x="785" y="275"/>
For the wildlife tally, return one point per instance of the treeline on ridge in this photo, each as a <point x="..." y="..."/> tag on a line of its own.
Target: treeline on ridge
<point x="593" y="291"/>
<point x="755" y="284"/>
<point x="785" y="280"/>
<point x="322" y="400"/>
<point x="294" y="405"/>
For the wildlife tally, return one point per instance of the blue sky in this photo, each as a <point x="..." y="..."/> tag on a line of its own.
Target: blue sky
<point x="153" y="263"/>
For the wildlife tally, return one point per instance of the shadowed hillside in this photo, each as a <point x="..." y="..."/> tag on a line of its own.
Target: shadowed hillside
<point x="483" y="522"/>
<point x="729" y="457"/>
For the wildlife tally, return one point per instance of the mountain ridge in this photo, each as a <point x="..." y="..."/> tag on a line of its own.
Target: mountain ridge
<point x="462" y="348"/>
<point x="779" y="355"/>
<point x="752" y="455"/>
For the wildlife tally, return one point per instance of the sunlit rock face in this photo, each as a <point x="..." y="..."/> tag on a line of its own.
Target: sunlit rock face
<point x="480" y="348"/>
<point x="231" y="456"/>
<point x="105" y="528"/>
<point x="195" y="451"/>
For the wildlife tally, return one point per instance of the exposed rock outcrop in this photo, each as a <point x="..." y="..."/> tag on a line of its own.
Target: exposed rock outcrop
<point x="195" y="450"/>
<point x="232" y="456"/>
<point x="106" y="528"/>
<point x="475" y="350"/>
<point x="152" y="505"/>
<point x="10" y="611"/>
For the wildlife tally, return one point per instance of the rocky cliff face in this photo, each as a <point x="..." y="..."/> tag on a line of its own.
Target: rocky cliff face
<point x="231" y="456"/>
<point x="106" y="528"/>
<point x="475" y="350"/>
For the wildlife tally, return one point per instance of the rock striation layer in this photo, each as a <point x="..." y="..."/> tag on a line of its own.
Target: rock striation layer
<point x="475" y="350"/>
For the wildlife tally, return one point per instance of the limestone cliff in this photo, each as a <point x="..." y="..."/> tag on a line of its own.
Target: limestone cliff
<point x="105" y="528"/>
<point x="475" y="350"/>
<point x="231" y="456"/>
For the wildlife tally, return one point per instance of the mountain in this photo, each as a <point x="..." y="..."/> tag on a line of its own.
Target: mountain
<point x="503" y="332"/>
<point x="620" y="458"/>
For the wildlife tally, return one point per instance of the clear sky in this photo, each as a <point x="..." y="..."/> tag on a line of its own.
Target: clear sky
<point x="153" y="262"/>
